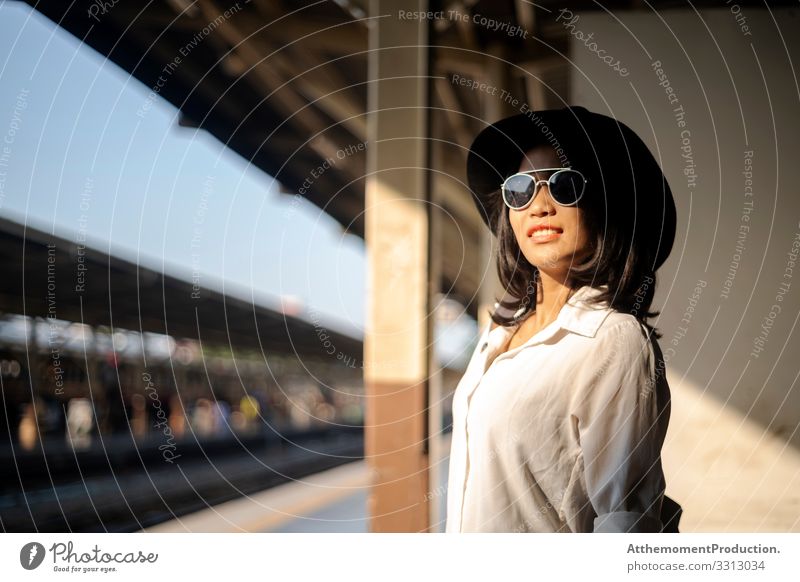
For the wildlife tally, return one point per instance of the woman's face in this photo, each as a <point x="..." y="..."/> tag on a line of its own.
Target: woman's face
<point x="551" y="252"/>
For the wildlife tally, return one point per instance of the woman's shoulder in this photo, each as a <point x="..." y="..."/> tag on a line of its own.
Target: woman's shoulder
<point x="623" y="325"/>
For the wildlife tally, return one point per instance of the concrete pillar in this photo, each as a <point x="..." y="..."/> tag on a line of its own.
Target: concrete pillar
<point x="398" y="335"/>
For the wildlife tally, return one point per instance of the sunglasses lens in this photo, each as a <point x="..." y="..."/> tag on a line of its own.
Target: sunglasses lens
<point x="566" y="187"/>
<point x="517" y="190"/>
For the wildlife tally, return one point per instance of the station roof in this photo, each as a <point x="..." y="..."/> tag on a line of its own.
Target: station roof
<point x="48" y="276"/>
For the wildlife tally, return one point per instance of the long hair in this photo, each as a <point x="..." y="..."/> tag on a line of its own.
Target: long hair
<point x="612" y="259"/>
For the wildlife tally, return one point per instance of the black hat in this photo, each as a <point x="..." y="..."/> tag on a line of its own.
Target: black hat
<point x="624" y="180"/>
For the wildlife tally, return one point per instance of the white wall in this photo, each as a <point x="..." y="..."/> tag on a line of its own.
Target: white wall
<point x="739" y="91"/>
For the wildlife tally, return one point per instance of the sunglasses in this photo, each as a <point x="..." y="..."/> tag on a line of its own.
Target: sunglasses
<point x="566" y="187"/>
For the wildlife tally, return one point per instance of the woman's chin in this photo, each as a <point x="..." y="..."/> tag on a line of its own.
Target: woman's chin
<point x="548" y="260"/>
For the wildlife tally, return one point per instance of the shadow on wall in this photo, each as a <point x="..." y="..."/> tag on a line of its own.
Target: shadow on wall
<point x="712" y="101"/>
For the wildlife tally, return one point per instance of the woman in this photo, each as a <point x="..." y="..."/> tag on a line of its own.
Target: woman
<point x="559" y="420"/>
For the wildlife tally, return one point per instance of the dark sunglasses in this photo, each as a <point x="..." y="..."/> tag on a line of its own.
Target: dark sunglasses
<point x="566" y="187"/>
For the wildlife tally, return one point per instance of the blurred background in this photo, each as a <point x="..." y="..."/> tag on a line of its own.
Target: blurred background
<point x="242" y="273"/>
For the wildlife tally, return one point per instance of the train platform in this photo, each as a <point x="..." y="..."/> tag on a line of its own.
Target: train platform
<point x="334" y="500"/>
<point x="727" y="471"/>
<point x="331" y="501"/>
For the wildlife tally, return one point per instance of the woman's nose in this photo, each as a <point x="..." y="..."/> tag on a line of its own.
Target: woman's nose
<point x="542" y="203"/>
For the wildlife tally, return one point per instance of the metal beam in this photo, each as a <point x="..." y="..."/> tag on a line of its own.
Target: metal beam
<point x="326" y="89"/>
<point x="283" y="95"/>
<point x="454" y="117"/>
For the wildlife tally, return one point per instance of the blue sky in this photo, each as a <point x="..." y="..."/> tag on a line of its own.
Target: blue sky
<point x="147" y="184"/>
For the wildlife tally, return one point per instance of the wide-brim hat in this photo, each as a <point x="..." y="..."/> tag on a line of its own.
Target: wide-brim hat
<point x="624" y="179"/>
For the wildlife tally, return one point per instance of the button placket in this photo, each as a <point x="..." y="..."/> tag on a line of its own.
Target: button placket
<point x="485" y="340"/>
<point x="496" y="338"/>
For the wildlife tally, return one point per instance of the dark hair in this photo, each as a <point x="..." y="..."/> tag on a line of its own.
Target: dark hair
<point x="612" y="259"/>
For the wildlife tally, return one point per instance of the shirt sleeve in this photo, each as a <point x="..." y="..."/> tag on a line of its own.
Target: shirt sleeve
<point x="621" y="431"/>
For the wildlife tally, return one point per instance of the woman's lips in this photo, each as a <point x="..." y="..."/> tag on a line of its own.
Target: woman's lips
<point x="544" y="234"/>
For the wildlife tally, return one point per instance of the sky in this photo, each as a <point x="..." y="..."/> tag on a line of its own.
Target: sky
<point x="89" y="154"/>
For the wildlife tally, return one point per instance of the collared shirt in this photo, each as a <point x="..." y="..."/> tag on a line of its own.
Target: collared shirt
<point x="564" y="432"/>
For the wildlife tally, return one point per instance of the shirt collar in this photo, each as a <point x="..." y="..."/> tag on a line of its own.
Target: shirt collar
<point x="577" y="315"/>
<point x="582" y="318"/>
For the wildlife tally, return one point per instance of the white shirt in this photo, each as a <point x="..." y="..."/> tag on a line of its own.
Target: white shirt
<point x="564" y="432"/>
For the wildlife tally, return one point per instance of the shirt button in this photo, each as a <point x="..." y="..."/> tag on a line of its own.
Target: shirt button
<point x="484" y="346"/>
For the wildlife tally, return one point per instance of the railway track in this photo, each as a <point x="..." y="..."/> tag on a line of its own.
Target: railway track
<point x="125" y="488"/>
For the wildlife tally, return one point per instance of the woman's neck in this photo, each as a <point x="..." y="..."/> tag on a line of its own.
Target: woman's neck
<point x="552" y="295"/>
